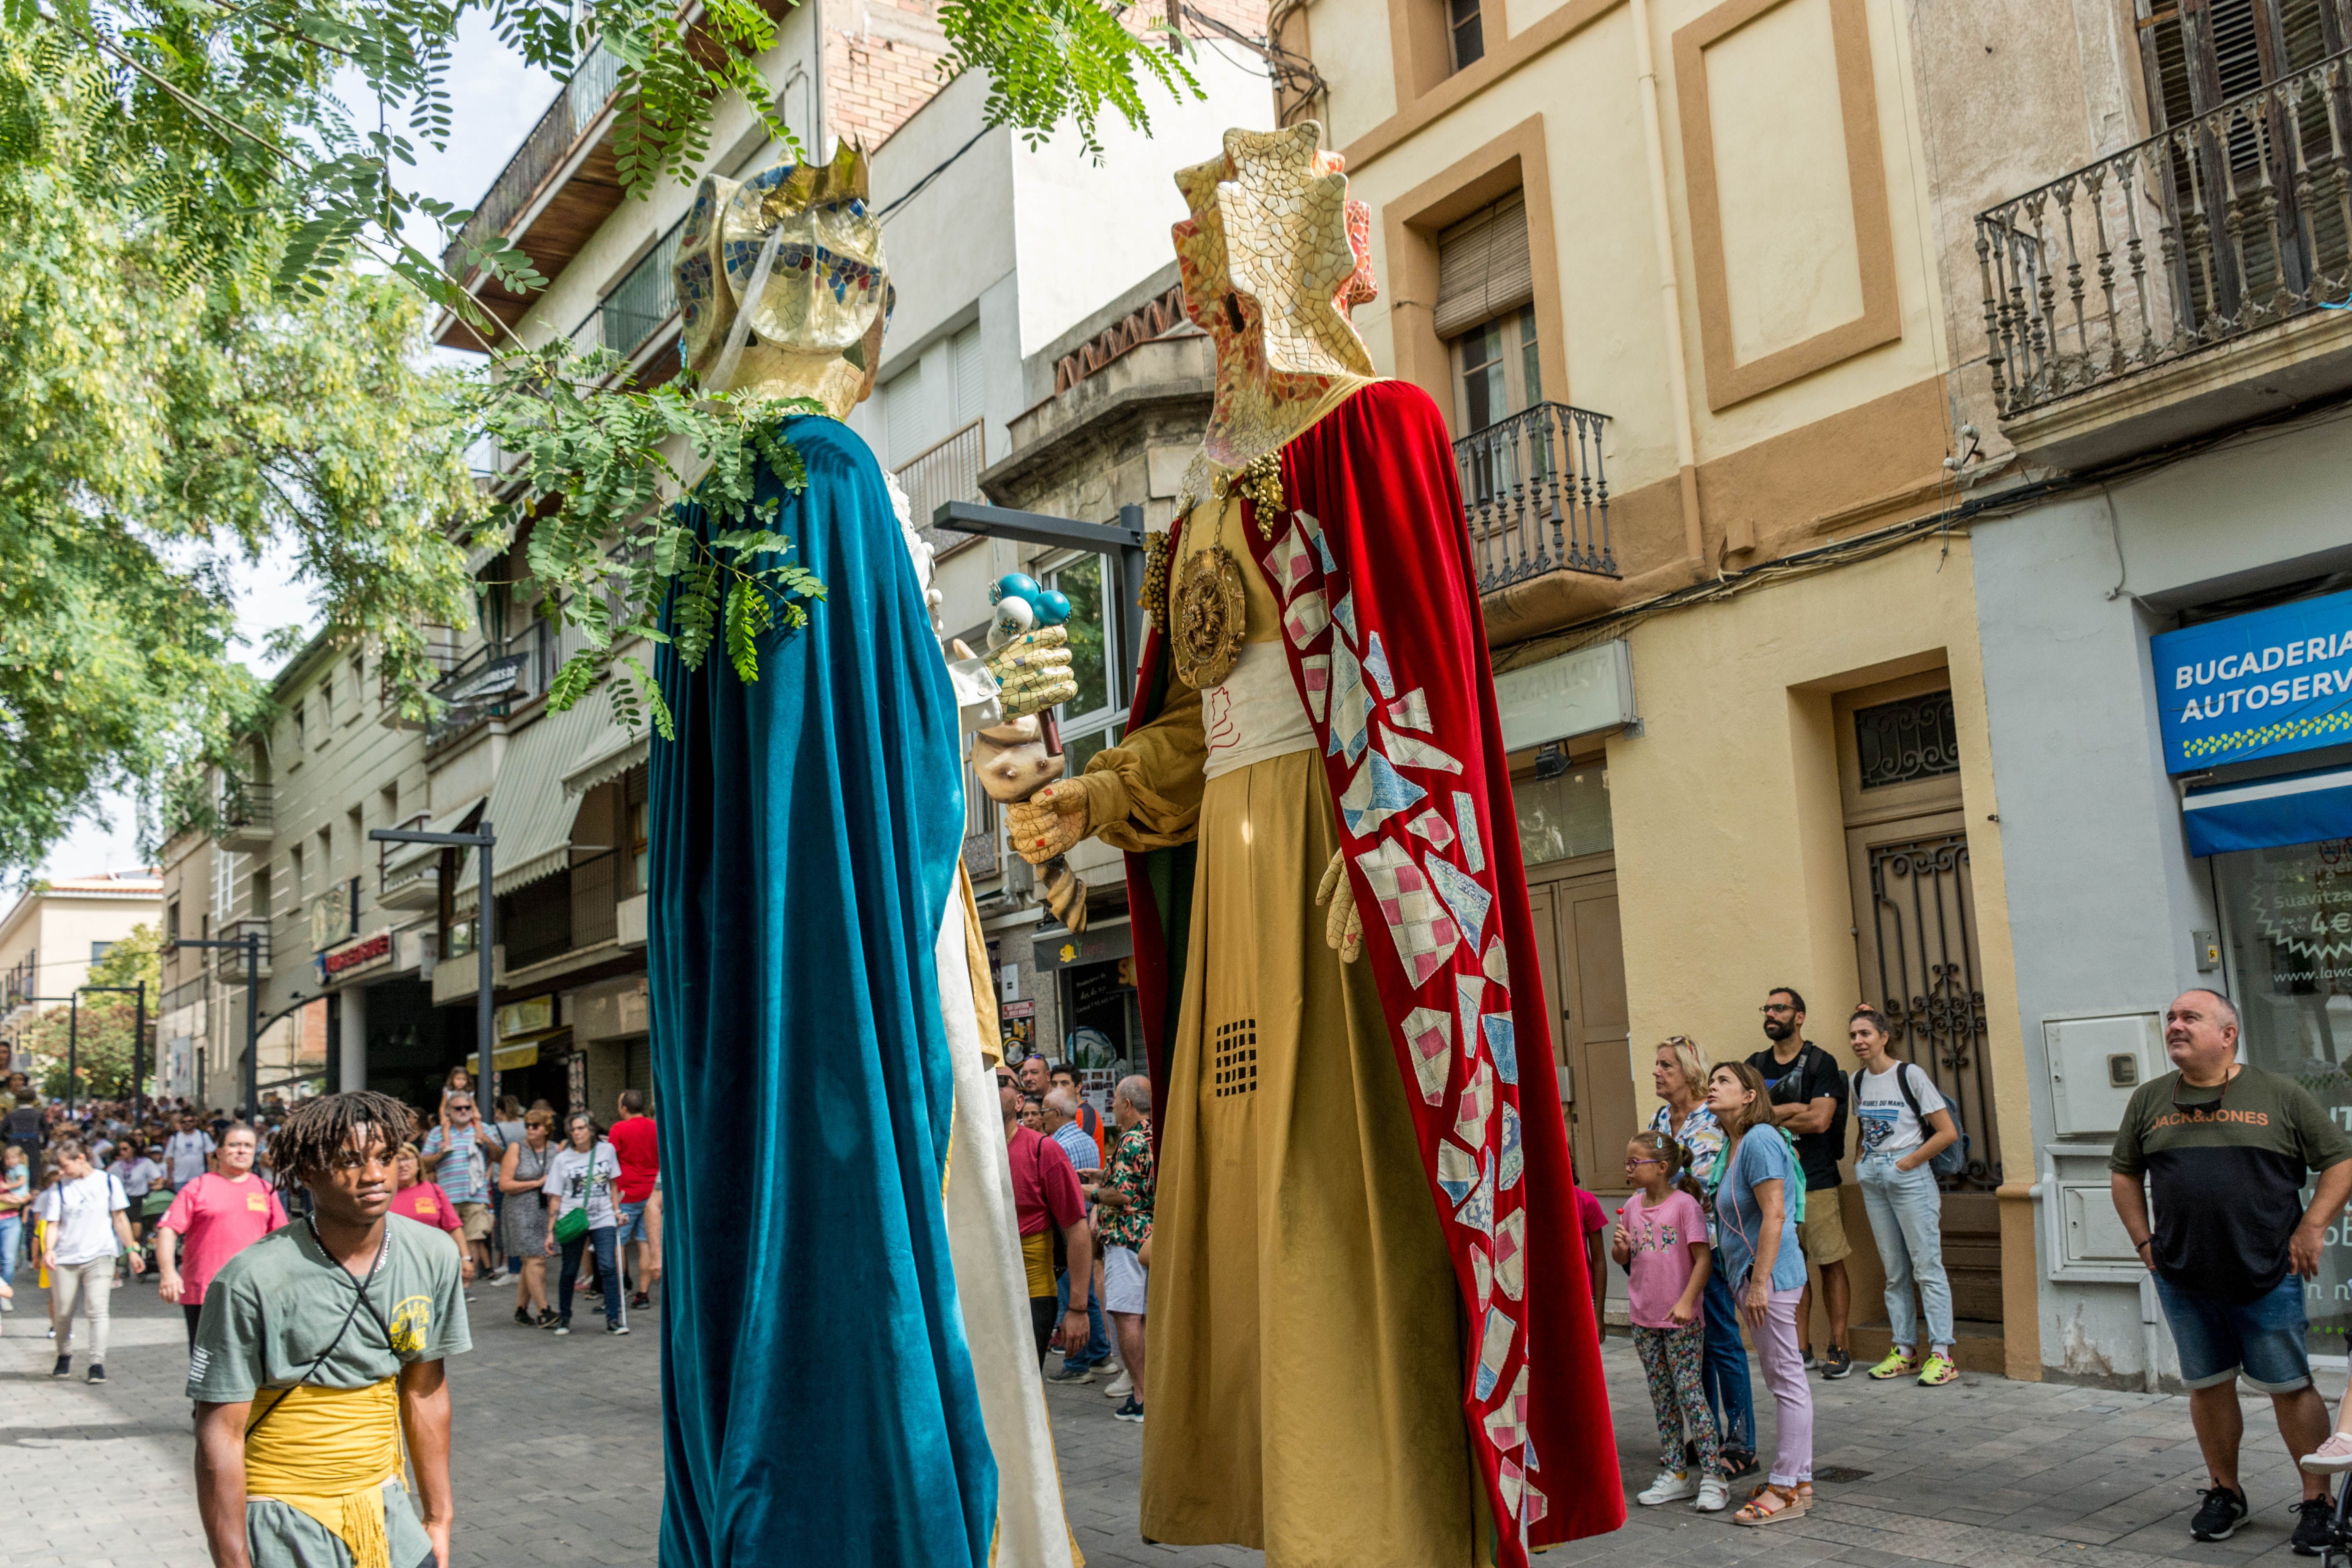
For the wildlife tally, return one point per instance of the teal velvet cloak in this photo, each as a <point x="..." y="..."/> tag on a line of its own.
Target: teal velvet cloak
<point x="818" y="1391"/>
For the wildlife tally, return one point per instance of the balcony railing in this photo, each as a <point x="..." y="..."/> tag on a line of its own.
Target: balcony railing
<point x="2235" y="220"/>
<point x="228" y="963"/>
<point x="1535" y="496"/>
<point x="246" y="814"/>
<point x="542" y="151"/>
<point x="644" y="300"/>
<point x="948" y="471"/>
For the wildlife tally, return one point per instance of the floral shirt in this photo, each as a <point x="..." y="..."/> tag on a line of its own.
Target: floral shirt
<point x="1702" y="1134"/>
<point x="1133" y="1174"/>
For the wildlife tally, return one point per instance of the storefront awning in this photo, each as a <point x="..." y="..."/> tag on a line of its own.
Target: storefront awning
<point x="2295" y="808"/>
<point x="608" y="756"/>
<point x="529" y="809"/>
<point x="405" y="859"/>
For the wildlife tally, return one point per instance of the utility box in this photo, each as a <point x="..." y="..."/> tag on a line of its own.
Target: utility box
<point x="2095" y="1064"/>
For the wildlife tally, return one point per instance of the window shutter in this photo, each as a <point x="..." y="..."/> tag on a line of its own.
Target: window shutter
<point x="969" y="390"/>
<point x="906" y="416"/>
<point x="1483" y="267"/>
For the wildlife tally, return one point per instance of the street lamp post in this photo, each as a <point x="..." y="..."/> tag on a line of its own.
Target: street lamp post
<point x="486" y="926"/>
<point x="251" y="942"/>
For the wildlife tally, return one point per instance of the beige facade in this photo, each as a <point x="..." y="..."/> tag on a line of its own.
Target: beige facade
<point x="56" y="930"/>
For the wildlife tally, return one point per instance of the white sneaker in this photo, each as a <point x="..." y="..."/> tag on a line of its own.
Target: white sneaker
<point x="1120" y="1386"/>
<point x="1714" y="1495"/>
<point x="1670" y="1486"/>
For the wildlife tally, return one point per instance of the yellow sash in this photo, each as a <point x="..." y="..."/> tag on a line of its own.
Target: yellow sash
<point x="1037" y="1262"/>
<point x="328" y="1452"/>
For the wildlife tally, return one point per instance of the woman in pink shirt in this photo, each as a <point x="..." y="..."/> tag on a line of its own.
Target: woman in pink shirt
<point x="218" y="1216"/>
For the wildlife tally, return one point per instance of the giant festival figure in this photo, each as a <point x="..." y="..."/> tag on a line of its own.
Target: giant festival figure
<point x="1371" y="1338"/>
<point x="848" y="1372"/>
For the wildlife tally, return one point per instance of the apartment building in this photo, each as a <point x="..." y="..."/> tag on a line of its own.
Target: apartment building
<point x="1876" y="430"/>
<point x="55" y="931"/>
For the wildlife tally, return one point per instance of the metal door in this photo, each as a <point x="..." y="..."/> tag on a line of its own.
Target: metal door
<point x="1917" y="952"/>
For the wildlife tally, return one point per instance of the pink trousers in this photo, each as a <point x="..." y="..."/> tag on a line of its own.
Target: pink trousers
<point x="1792" y="1394"/>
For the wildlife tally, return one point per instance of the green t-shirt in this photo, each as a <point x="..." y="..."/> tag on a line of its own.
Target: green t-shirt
<point x="276" y="1305"/>
<point x="2225" y="1176"/>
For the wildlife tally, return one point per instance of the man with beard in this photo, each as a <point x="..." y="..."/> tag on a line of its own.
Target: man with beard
<point x="1808" y="1092"/>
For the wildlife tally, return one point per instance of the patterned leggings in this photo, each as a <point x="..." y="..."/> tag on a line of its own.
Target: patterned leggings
<point x="1670" y="1357"/>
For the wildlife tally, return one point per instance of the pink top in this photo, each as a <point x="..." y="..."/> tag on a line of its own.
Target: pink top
<point x="1662" y="1259"/>
<point x="1590" y="1215"/>
<point x="426" y="1204"/>
<point x="217" y="1218"/>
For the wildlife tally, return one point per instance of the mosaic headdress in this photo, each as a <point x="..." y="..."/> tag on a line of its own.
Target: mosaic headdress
<point x="1273" y="256"/>
<point x="780" y="283"/>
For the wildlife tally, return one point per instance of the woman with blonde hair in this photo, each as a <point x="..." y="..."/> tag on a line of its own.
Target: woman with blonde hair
<point x="1679" y="1075"/>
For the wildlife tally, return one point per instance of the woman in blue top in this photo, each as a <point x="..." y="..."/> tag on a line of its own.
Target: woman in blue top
<point x="1757" y="1226"/>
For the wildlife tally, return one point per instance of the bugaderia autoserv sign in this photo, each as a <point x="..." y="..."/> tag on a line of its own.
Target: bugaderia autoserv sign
<point x="2266" y="684"/>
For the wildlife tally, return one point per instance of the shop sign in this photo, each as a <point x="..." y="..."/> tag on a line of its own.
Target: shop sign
<point x="1579" y="693"/>
<point x="355" y="958"/>
<point x="2267" y="684"/>
<point x="1096" y="944"/>
<point x="1017" y="1025"/>
<point x="535" y="1016"/>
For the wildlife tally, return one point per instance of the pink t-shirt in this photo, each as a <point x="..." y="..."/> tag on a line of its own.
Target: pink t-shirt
<point x="1590" y="1215"/>
<point x="426" y="1204"/>
<point x="1662" y="1259"/>
<point x="217" y="1218"/>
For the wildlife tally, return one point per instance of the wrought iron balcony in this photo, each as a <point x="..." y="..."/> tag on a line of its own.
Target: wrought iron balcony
<point x="246" y="815"/>
<point x="949" y="470"/>
<point x="2235" y="220"/>
<point x="1535" y="496"/>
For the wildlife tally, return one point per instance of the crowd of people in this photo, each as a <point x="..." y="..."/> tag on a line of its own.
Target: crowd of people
<point x="1736" y="1206"/>
<point x="1082" y="1190"/>
<point x="108" y="1193"/>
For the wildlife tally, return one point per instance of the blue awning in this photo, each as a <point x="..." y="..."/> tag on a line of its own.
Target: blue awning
<point x="2295" y="808"/>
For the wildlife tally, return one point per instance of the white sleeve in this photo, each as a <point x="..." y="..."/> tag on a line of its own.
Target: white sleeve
<point x="116" y="1198"/>
<point x="1930" y="1099"/>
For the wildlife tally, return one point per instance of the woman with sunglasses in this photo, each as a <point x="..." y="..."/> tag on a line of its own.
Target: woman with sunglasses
<point x="1679" y="1075"/>
<point x="1903" y="1124"/>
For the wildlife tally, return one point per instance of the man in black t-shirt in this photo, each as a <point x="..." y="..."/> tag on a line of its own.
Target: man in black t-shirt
<point x="2225" y="1147"/>
<point x="1809" y="1095"/>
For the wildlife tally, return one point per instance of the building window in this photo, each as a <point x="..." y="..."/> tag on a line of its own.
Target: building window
<point x="1898" y="742"/>
<point x="1091" y="719"/>
<point x="98" y="950"/>
<point x="302" y="729"/>
<point x="1466" y="31"/>
<point x="172" y="920"/>
<point x="1485" y="310"/>
<point x="641" y="860"/>
<point x="1564" y="815"/>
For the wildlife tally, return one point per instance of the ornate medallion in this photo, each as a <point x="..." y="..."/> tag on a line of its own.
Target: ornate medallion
<point x="1210" y="609"/>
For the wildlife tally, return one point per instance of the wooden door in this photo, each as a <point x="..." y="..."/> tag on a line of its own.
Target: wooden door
<point x="1915" y="948"/>
<point x="1583" y="959"/>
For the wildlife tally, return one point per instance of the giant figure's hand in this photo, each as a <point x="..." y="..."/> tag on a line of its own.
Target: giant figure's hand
<point x="1344" y="926"/>
<point x="1048" y="822"/>
<point x="1032" y="671"/>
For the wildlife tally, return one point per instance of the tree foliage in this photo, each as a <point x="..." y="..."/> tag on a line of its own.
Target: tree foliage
<point x="97" y="1036"/>
<point x="209" y="324"/>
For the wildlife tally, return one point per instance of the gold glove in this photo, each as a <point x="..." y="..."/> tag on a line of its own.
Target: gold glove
<point x="1032" y="671"/>
<point x="1048" y="822"/>
<point x="1344" y="926"/>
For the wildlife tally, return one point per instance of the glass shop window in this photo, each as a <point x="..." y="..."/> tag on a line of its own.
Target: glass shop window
<point x="1091" y="719"/>
<point x="1564" y="815"/>
<point x="2287" y="929"/>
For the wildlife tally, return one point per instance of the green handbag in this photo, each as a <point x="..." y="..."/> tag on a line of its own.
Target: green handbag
<point x="572" y="1224"/>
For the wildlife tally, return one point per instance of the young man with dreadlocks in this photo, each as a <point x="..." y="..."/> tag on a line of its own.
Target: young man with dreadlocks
<point x="319" y="1351"/>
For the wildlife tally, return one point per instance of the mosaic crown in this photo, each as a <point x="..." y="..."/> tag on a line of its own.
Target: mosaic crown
<point x="1273" y="258"/>
<point x="814" y="329"/>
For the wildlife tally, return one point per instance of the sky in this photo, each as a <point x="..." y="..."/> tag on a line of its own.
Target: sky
<point x="496" y="99"/>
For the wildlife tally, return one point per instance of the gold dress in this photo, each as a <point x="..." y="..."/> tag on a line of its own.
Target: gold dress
<point x="1305" y="1367"/>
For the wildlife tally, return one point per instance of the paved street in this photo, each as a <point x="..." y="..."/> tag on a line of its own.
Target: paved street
<point x="1983" y="1474"/>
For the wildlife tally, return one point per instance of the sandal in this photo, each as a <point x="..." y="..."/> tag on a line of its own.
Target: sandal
<point x="1770" y="1504"/>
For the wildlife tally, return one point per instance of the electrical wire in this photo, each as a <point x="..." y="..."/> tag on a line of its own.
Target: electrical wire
<point x="916" y="188"/>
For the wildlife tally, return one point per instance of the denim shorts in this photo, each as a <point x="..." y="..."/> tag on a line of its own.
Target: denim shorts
<point x="2261" y="1341"/>
<point x="633" y="1224"/>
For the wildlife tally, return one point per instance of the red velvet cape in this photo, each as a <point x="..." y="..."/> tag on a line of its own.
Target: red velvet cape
<point x="1370" y="561"/>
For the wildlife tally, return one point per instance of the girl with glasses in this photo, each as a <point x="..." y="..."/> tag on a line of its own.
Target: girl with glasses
<point x="1661" y="1243"/>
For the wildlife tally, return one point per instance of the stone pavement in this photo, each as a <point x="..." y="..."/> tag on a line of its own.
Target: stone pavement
<point x="558" y="1456"/>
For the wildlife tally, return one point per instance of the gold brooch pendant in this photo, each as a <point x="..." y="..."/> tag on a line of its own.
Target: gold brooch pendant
<point x="1210" y="608"/>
